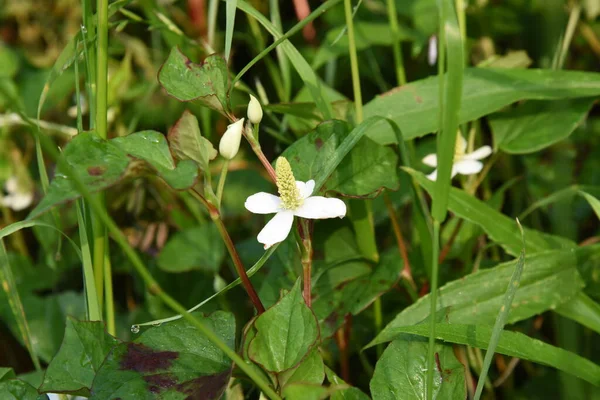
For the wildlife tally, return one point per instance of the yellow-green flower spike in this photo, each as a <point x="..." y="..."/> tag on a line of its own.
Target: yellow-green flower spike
<point x="459" y="146"/>
<point x="286" y="185"/>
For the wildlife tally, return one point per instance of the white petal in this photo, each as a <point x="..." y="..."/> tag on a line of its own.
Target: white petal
<point x="319" y="207"/>
<point x="11" y="185"/>
<point x="478" y="154"/>
<point x="468" y="167"/>
<point x="432" y="52"/>
<point x="276" y="229"/>
<point x="430" y="159"/>
<point x="263" y="203"/>
<point x="21" y="201"/>
<point x="306" y="189"/>
<point x="432" y="176"/>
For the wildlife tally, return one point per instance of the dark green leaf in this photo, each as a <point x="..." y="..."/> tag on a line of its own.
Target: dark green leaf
<point x="207" y="83"/>
<point x="498" y="226"/>
<point x="171" y="361"/>
<point x="199" y="248"/>
<point x="365" y="171"/>
<point x="14" y="389"/>
<point x="351" y="393"/>
<point x="512" y="344"/>
<point x="6" y="373"/>
<point x="285" y="333"/>
<point x="150" y="146"/>
<point x="186" y="141"/>
<point x="414" y="106"/>
<point x="401" y="372"/>
<point x="85" y="346"/>
<point x="549" y="280"/>
<point x="535" y="125"/>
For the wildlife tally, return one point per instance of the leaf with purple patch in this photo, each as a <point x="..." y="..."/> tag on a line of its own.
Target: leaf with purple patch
<point x="84" y="348"/>
<point x="206" y="83"/>
<point x="170" y="361"/>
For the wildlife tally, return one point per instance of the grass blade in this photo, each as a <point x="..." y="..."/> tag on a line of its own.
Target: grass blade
<point x="14" y="300"/>
<point x="302" y="67"/>
<point x="502" y="317"/>
<point x="230" y="8"/>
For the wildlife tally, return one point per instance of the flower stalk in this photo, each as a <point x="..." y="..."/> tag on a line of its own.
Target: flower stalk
<point x="215" y="215"/>
<point x="307" y="255"/>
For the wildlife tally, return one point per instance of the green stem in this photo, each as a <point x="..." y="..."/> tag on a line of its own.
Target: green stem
<point x="213" y="9"/>
<point x="398" y="59"/>
<point x="307" y="255"/>
<point x="462" y="19"/>
<point x="221" y="184"/>
<point x="353" y="62"/>
<point x="378" y="322"/>
<point x="153" y="286"/>
<point x="435" y="239"/>
<point x="108" y="287"/>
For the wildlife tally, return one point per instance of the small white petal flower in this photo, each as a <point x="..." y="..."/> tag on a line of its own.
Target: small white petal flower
<point x="255" y="112"/>
<point x="464" y="163"/>
<point x="16" y="198"/>
<point x="230" y="141"/>
<point x="295" y="200"/>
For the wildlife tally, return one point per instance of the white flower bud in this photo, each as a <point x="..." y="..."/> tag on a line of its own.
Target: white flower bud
<point x="255" y="112"/>
<point x="230" y="142"/>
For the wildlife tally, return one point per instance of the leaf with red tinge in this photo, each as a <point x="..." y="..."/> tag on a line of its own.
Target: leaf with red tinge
<point x="206" y="83"/>
<point x="171" y="361"/>
<point x="187" y="143"/>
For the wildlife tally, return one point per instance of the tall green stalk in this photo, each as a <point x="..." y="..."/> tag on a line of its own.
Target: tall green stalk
<point x="433" y="306"/>
<point x="397" y="51"/>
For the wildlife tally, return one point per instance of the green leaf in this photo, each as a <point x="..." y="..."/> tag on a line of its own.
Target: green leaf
<point x="366" y="35"/>
<point x="101" y="164"/>
<point x="594" y="202"/>
<point x="187" y="143"/>
<point x="549" y="280"/>
<point x="206" y="83"/>
<point x="401" y="372"/>
<point x="198" y="248"/>
<point x="15" y="389"/>
<point x="6" y="373"/>
<point x="367" y="169"/>
<point x="350" y="393"/>
<point x="310" y="370"/>
<point x="85" y="346"/>
<point x="535" y="125"/>
<point x="171" y="361"/>
<point x="303" y="391"/>
<point x="500" y="228"/>
<point x="512" y="344"/>
<point x="285" y="333"/>
<point x="350" y="287"/>
<point x="150" y="146"/>
<point x="414" y="106"/>
<point x="583" y="310"/>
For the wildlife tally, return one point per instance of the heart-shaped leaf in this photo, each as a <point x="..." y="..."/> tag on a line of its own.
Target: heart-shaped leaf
<point x="187" y="143"/>
<point x="285" y="333"/>
<point x="206" y="83"/>
<point x="170" y="361"/>
<point x="365" y="171"/>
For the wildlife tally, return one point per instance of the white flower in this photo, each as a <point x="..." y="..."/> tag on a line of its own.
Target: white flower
<point x="432" y="50"/>
<point x="464" y="163"/>
<point x="230" y="141"/>
<point x="15" y="197"/>
<point x="255" y="112"/>
<point x="295" y="200"/>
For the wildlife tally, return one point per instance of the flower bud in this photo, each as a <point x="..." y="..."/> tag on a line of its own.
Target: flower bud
<point x="255" y="112"/>
<point x="230" y="141"/>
